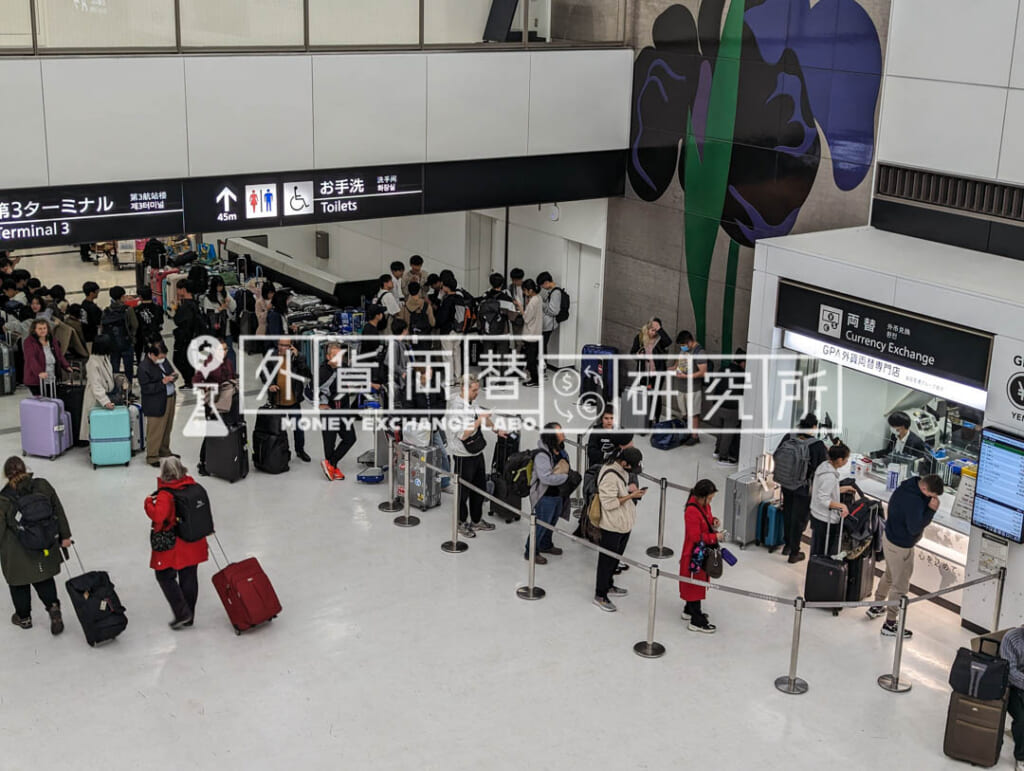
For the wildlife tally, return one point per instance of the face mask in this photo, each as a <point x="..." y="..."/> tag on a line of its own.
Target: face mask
<point x="684" y="348"/>
<point x="161" y="360"/>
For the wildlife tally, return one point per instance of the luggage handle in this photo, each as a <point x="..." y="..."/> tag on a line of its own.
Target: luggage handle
<point x="214" y="554"/>
<point x="67" y="557"/>
<point x="48" y="387"/>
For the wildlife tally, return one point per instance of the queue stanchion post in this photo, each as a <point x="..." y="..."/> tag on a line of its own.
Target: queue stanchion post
<point x="648" y="648"/>
<point x="531" y="591"/>
<point x="405" y="519"/>
<point x="999" y="599"/>
<point x="790" y="683"/>
<point x="576" y="502"/>
<point x="393" y="503"/>
<point x="892" y="682"/>
<point x="661" y="551"/>
<point x="455" y="546"/>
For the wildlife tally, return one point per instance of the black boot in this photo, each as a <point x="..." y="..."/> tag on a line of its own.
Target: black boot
<point x="56" y="621"/>
<point x="24" y="623"/>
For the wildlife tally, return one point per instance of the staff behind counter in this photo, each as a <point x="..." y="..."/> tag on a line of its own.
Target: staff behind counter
<point x="904" y="442"/>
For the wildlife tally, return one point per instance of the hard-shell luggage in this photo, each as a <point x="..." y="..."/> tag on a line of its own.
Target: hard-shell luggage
<point x="827" y="577"/>
<point x="156" y="284"/>
<point x="861" y="578"/>
<point x="978" y="674"/>
<point x="424" y="482"/>
<point x="246" y="592"/>
<point x="271" y="452"/>
<point x="667" y="435"/>
<point x="597" y="373"/>
<point x="974" y="729"/>
<point x="8" y="371"/>
<point x="744" y="496"/>
<point x="504" y="448"/>
<point x="170" y="289"/>
<point x="137" y="422"/>
<point x="45" y="425"/>
<point x="96" y="604"/>
<point x="110" y="436"/>
<point x="771" y="526"/>
<point x="227" y="457"/>
<point x="635" y="408"/>
<point x="73" y="396"/>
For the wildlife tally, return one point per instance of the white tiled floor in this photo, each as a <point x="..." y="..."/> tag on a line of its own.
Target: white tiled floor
<point x="391" y="654"/>
<point x="57" y="266"/>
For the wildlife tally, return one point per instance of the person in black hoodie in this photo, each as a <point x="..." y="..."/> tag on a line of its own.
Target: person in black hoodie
<point x="188" y="324"/>
<point x="911" y="509"/>
<point x="90" y="313"/>
<point x="150" y="318"/>
<point x="337" y="443"/>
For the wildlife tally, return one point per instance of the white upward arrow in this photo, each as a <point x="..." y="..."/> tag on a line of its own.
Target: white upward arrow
<point x="227" y="198"/>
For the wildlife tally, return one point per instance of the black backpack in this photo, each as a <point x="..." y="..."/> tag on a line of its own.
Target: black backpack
<point x="35" y="521"/>
<point x="192" y="510"/>
<point x="518" y="472"/>
<point x="563" y="307"/>
<point x="419" y="323"/>
<point x="114" y="324"/>
<point x="491" y="319"/>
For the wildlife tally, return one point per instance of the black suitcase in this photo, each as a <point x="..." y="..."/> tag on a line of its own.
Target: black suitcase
<point x="861" y="577"/>
<point x="980" y="675"/>
<point x="271" y="453"/>
<point x="96" y="604"/>
<point x="827" y="578"/>
<point x="73" y="396"/>
<point x="227" y="457"/>
<point x="504" y="448"/>
<point x="502" y="494"/>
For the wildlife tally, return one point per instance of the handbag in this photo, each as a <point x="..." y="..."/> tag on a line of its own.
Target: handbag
<point x="225" y="396"/>
<point x="712" y="563"/>
<point x="476" y="443"/>
<point x="162" y="540"/>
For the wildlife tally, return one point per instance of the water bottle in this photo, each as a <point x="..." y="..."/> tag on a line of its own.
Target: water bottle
<point x="729" y="557"/>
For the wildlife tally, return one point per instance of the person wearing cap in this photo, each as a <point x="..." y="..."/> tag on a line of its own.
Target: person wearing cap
<point x="618" y="514"/>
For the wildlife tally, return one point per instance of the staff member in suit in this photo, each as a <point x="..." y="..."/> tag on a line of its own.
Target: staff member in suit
<point x="903" y="441"/>
<point x="156" y="380"/>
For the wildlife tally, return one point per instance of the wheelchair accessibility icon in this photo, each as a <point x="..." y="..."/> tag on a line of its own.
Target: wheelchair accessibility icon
<point x="298" y="198"/>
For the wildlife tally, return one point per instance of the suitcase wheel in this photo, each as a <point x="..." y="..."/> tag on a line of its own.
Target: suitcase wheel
<point x="93" y="466"/>
<point x="835" y="611"/>
<point x="238" y="632"/>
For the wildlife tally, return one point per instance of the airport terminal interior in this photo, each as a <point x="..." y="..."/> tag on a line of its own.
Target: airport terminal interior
<point x="738" y="282"/>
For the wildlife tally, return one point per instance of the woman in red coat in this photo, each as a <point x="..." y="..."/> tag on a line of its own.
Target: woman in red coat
<point x="700" y="528"/>
<point x="177" y="567"/>
<point x="43" y="357"/>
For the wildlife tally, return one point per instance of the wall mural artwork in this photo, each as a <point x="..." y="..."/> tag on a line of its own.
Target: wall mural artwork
<point x="734" y="108"/>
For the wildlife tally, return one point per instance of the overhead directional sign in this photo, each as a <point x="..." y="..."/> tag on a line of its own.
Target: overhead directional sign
<point x="227" y="197"/>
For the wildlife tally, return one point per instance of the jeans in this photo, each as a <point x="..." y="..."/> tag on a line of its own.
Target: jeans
<point x="437" y="440"/>
<point x="548" y="509"/>
<point x="338" y="443"/>
<point x="796" y="510"/>
<point x="22" y="597"/>
<point x="181" y="588"/>
<point x="1016" y="710"/>
<point x="471" y="503"/>
<point x="126" y="357"/>
<point x="818" y="532"/>
<point x="614" y="542"/>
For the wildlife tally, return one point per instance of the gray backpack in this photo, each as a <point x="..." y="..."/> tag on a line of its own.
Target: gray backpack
<point x="792" y="459"/>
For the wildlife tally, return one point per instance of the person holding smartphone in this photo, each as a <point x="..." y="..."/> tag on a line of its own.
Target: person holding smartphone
<point x="157" y="378"/>
<point x="286" y="392"/>
<point x="618" y="515"/>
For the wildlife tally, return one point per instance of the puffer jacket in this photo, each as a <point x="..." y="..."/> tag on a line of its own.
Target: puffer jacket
<point x="160" y="509"/>
<point x="21" y="566"/>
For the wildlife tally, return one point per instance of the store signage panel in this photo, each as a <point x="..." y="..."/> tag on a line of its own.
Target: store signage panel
<point x="928" y="383"/>
<point x="55" y="216"/>
<point x="1006" y="384"/>
<point x="296" y="198"/>
<point x="927" y="345"/>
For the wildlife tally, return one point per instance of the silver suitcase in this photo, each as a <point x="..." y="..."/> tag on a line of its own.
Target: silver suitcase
<point x="424" y="482"/>
<point x="743" y="497"/>
<point x="377" y="456"/>
<point x="635" y="409"/>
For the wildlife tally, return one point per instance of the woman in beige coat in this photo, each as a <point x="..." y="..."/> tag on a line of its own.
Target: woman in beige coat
<point x="99" y="382"/>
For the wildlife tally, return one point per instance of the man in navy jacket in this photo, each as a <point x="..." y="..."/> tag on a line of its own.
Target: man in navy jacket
<point x="911" y="508"/>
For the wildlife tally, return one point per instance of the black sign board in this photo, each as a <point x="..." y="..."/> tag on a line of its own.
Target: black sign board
<point x="917" y="342"/>
<point x="299" y="198"/>
<point x="88" y="213"/>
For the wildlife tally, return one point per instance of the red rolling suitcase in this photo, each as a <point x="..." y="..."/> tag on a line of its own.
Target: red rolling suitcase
<point x="246" y="592"/>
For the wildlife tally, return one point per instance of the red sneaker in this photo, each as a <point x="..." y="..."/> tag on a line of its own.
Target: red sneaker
<point x="336" y="475"/>
<point x="328" y="470"/>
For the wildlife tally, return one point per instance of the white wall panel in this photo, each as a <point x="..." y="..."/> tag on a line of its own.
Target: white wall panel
<point x="855" y="281"/>
<point x="579" y="100"/>
<point x="1017" y="71"/>
<point x="1011" y="159"/>
<point x="369" y="109"/>
<point x="249" y="113"/>
<point x="241" y="22"/>
<point x="455" y="21"/>
<point x="942" y="126"/>
<point x="953" y="40"/>
<point x="363" y="22"/>
<point x="22" y="130"/>
<point x="477" y="105"/>
<point x="115" y="119"/>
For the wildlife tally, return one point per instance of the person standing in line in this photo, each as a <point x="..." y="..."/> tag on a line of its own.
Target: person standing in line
<point x="911" y="509"/>
<point x="90" y="312"/>
<point x="397" y="275"/>
<point x="468" y="445"/>
<point x="433" y="292"/>
<point x="286" y="392"/>
<point x="701" y="528"/>
<point x="618" y="515"/>
<point x="263" y="303"/>
<point x="690" y="371"/>
<point x="156" y="382"/>
<point x="796" y="500"/>
<point x="515" y="290"/>
<point x="551" y="294"/>
<point x="387" y="300"/>
<point x="99" y="383"/>
<point x="533" y="325"/>
<point x="447" y="325"/>
<point x="826" y="507"/>
<point x="727" y="416"/>
<point x="550" y="471"/>
<point x="415" y="274"/>
<point x="418" y="314"/>
<point x="330" y="396"/>
<point x="222" y="398"/>
<point x="176" y="568"/>
<point x="428" y="399"/>
<point x="150" y="318"/>
<point x="188" y="325"/>
<point x="44" y="359"/>
<point x="219" y="307"/>
<point x="120" y="324"/>
<point x="1012" y="649"/>
<point x="24" y="568"/>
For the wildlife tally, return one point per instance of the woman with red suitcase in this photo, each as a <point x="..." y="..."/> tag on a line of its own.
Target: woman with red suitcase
<point x="174" y="559"/>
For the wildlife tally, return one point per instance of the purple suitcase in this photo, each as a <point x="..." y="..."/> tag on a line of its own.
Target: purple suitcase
<point x="45" y="426"/>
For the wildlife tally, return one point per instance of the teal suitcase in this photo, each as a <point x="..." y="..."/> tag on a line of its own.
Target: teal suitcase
<point x="110" y="437"/>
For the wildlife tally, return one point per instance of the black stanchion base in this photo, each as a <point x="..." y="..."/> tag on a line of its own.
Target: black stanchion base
<point x="391" y="507"/>
<point x="660" y="552"/>
<point x="454" y="547"/>
<point x="796" y="686"/>
<point x="653" y="650"/>
<point x="407" y="521"/>
<point x="526" y="593"/>
<point x="892" y="685"/>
